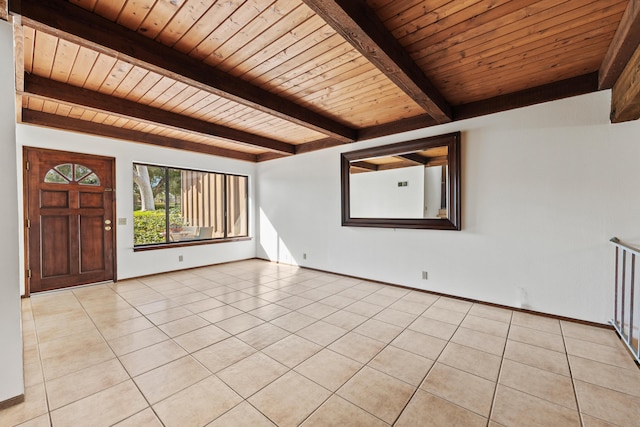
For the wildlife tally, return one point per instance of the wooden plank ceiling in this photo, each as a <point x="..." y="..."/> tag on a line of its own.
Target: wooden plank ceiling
<point x="261" y="79"/>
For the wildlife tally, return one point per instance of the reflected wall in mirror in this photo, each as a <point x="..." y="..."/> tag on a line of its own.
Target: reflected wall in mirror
<point x="413" y="184"/>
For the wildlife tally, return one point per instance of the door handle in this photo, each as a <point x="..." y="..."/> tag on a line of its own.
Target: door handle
<point x="107" y="228"/>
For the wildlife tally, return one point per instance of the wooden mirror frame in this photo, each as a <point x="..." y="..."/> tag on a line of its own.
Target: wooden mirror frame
<point x="451" y="222"/>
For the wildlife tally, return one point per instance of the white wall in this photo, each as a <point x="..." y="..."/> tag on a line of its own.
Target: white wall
<point x="377" y="195"/>
<point x="130" y="263"/>
<point x="543" y="190"/>
<point x="433" y="191"/>
<point x="11" y="382"/>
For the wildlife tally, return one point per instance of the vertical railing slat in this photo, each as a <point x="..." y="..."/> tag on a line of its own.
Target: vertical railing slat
<point x="631" y="297"/>
<point x="626" y="330"/>
<point x="623" y="292"/>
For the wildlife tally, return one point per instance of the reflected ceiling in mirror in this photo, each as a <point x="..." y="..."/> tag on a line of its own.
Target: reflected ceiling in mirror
<point x="413" y="184"/>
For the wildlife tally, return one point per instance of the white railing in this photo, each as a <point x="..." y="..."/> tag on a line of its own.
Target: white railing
<point x="626" y="318"/>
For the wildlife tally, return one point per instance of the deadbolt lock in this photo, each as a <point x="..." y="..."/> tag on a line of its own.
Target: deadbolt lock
<point x="107" y="221"/>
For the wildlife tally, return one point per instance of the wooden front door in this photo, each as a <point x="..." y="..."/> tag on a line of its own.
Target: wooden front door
<point x="70" y="232"/>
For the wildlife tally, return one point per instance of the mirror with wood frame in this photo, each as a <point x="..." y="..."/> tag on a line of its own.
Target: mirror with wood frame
<point x="413" y="184"/>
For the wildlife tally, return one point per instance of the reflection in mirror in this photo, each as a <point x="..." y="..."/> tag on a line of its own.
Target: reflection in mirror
<point x="413" y="184"/>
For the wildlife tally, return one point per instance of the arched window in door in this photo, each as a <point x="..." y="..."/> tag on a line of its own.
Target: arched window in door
<point x="68" y="173"/>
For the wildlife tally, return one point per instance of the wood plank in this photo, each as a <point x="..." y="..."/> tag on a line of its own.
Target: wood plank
<point x="557" y="23"/>
<point x="109" y="9"/>
<point x="448" y="20"/>
<point x="134" y="12"/>
<point x="83" y="65"/>
<point x="160" y="15"/>
<point x="82" y="27"/>
<point x="556" y="32"/>
<point x="81" y="126"/>
<point x="359" y="25"/>
<point x="44" y="54"/>
<point x="29" y="39"/>
<point x="19" y="64"/>
<point x="4" y="10"/>
<point x="190" y="25"/>
<point x="286" y="46"/>
<point x="290" y="52"/>
<point x="244" y="14"/>
<point x="625" y="97"/>
<point x="118" y="72"/>
<point x="99" y="72"/>
<point x="625" y="42"/>
<point x="267" y="19"/>
<point x="38" y="86"/>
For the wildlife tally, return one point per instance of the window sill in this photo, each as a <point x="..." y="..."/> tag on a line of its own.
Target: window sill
<point x="154" y="247"/>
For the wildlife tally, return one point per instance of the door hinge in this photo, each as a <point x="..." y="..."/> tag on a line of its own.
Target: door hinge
<point x="28" y="223"/>
<point x="27" y="165"/>
<point x="109" y="189"/>
<point x="29" y="274"/>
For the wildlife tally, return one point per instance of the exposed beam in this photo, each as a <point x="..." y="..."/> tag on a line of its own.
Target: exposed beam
<point x="415" y="158"/>
<point x="550" y="92"/>
<point x="319" y="144"/>
<point x="4" y="10"/>
<point x="575" y="86"/>
<point x="51" y="89"/>
<point x="66" y="20"/>
<point x="365" y="165"/>
<point x="82" y="126"/>
<point x="359" y="25"/>
<point x="264" y="157"/>
<point x="625" y="97"/>
<point x="18" y="55"/>
<point x="624" y="43"/>
<point x="404" y="125"/>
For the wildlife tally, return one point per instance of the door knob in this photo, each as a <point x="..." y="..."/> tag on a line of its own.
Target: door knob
<point x="107" y="228"/>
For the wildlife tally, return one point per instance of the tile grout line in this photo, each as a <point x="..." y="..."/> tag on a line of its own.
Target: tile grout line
<point x="495" y="392"/>
<point x="573" y="380"/>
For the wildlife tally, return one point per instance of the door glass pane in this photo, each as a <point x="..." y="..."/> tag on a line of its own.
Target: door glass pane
<point x="81" y="171"/>
<point x="91" y="179"/>
<point x="66" y="170"/>
<point x="53" y="177"/>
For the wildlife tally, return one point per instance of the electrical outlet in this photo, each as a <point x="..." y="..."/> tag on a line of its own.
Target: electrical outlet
<point x="180" y="258"/>
<point x="425" y="275"/>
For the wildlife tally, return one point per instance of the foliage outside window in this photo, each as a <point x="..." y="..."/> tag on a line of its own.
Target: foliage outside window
<point x="172" y="205"/>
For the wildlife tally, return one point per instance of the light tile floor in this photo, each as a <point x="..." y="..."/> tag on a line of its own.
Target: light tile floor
<point x="253" y="343"/>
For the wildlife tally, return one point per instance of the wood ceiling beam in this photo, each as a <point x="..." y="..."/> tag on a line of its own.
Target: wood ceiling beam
<point x="625" y="97"/>
<point x="575" y="86"/>
<point x="357" y="23"/>
<point x="4" y="10"/>
<point x="66" y="20"/>
<point x="625" y="41"/>
<point x="415" y="158"/>
<point x="365" y="165"/>
<point x="51" y="89"/>
<point x="82" y="126"/>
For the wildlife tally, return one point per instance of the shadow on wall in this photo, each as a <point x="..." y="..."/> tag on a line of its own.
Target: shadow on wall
<point x="272" y="244"/>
